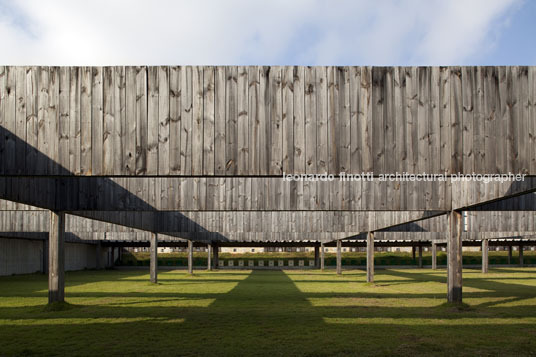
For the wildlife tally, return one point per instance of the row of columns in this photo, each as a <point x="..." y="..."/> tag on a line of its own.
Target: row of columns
<point x="56" y="257"/>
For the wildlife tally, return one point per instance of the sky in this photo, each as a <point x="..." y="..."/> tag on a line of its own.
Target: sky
<point x="268" y="32"/>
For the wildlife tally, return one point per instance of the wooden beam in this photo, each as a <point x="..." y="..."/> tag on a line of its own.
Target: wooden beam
<point x="190" y="257"/>
<point x="339" y="262"/>
<point x="154" y="258"/>
<point x="485" y="244"/>
<point x="434" y="256"/>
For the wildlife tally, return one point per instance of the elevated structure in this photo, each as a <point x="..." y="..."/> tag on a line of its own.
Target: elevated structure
<point x="203" y="153"/>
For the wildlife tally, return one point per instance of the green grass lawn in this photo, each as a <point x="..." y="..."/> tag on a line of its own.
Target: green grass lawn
<point x="271" y="313"/>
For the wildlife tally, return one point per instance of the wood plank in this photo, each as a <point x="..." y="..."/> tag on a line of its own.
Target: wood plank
<point x="231" y="120"/>
<point x="129" y="154"/>
<point x="532" y="115"/>
<point x="163" y="120"/>
<point x="310" y="119"/>
<point x="97" y="124"/>
<point x="208" y="120"/>
<point x="344" y="127"/>
<point x="378" y="125"/>
<point x="365" y="119"/>
<point x="108" y="75"/>
<point x="523" y="127"/>
<point x="503" y="148"/>
<point x="287" y="119"/>
<point x="355" y="134"/>
<point x="491" y="116"/>
<point x="399" y="120"/>
<point x="3" y="95"/>
<point x="197" y="120"/>
<point x="412" y="106"/>
<point x="20" y="116"/>
<point x="10" y="121"/>
<point x="86" y="88"/>
<point x="423" y="120"/>
<point x="479" y="119"/>
<point x="322" y="150"/>
<point x="32" y="130"/>
<point x="264" y="107"/>
<point x="119" y="133"/>
<point x="444" y="120"/>
<point x="242" y="122"/>
<point x="74" y="119"/>
<point x="391" y="160"/>
<point x="456" y="119"/>
<point x="468" y="92"/>
<point x="254" y="110"/>
<point x="299" y="120"/>
<point x="152" y="120"/>
<point x="333" y="121"/>
<point x="276" y="123"/>
<point x="175" y="111"/>
<point x="434" y="126"/>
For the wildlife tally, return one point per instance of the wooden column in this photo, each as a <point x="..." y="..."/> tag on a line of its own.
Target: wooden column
<point x="322" y="249"/>
<point x="420" y="256"/>
<point x="509" y="254"/>
<point x="56" y="257"/>
<point x="434" y="255"/>
<point x="520" y="255"/>
<point x="154" y="258"/>
<point x="339" y="263"/>
<point x="209" y="256"/>
<point x="190" y="257"/>
<point x="485" y="260"/>
<point x="113" y="256"/>
<point x="216" y="256"/>
<point x="454" y="258"/>
<point x="413" y="253"/>
<point x="370" y="257"/>
<point x="45" y="256"/>
<point x="317" y="256"/>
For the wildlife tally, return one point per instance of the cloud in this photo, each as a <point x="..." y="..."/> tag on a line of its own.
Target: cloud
<point x="105" y="32"/>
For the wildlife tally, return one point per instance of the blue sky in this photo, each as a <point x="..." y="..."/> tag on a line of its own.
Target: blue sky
<point x="285" y="32"/>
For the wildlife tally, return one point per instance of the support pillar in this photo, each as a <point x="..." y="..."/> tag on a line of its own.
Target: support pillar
<point x="154" y="258"/>
<point x="317" y="256"/>
<point x="370" y="257"/>
<point x="339" y="263"/>
<point x="434" y="256"/>
<point x="485" y="260"/>
<point x="322" y="251"/>
<point x="420" y="256"/>
<point x="190" y="257"/>
<point x="215" y="253"/>
<point x="113" y="256"/>
<point x="209" y="257"/>
<point x="454" y="258"/>
<point x="413" y="253"/>
<point x="520" y="255"/>
<point x="509" y="254"/>
<point x="56" y="257"/>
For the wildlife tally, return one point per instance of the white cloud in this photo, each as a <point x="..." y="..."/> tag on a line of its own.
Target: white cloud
<point x="101" y="32"/>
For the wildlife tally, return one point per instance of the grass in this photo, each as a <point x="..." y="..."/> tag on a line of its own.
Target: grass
<point x="270" y="313"/>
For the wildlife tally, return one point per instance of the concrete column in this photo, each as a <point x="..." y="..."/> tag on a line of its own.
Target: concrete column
<point x="215" y="253"/>
<point x="339" y="263"/>
<point x="153" y="265"/>
<point x="209" y="256"/>
<point x="317" y="256"/>
<point x="370" y="257"/>
<point x="509" y="254"/>
<point x="322" y="248"/>
<point x="520" y="255"/>
<point x="434" y="255"/>
<point x="485" y="260"/>
<point x="454" y="258"/>
<point x="420" y="256"/>
<point x="190" y="257"/>
<point x="56" y="257"/>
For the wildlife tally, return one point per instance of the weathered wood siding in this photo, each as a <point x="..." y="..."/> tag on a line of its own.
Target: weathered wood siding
<point x="251" y="121"/>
